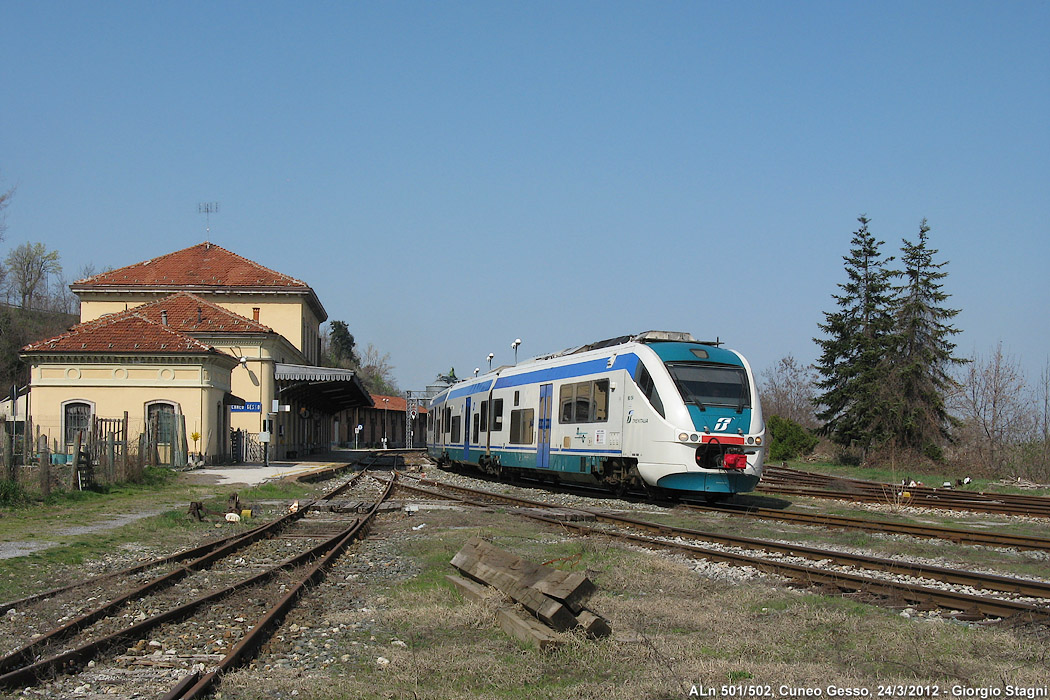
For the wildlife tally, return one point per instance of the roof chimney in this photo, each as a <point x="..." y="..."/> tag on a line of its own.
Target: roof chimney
<point x="255" y="314"/>
<point x="164" y="317"/>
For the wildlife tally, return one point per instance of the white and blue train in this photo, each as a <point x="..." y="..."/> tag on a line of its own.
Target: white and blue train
<point x="659" y="410"/>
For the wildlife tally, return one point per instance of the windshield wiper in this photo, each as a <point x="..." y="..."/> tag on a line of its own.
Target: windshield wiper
<point x="699" y="404"/>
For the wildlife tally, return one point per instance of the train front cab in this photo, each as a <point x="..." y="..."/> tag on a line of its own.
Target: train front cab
<point x="697" y="424"/>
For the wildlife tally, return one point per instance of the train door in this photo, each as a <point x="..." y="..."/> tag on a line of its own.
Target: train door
<point x="466" y="430"/>
<point x="543" y="450"/>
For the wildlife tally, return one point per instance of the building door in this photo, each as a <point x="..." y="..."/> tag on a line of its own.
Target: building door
<point x="160" y="425"/>
<point x="543" y="449"/>
<point x="77" y="420"/>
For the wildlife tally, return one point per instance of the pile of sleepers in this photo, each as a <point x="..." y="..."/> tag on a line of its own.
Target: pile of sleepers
<point x="551" y="600"/>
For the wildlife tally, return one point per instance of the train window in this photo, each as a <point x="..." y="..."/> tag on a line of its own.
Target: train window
<point x="484" y="413"/>
<point x="521" y="426"/>
<point x="601" y="401"/>
<point x="711" y="385"/>
<point x="584" y="402"/>
<point x="448" y="418"/>
<point x="456" y="421"/>
<point x="645" y="383"/>
<point x="497" y="414"/>
<point x="565" y="401"/>
<point x="477" y="422"/>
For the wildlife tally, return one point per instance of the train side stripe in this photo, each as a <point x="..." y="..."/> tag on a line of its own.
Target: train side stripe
<point x="472" y="389"/>
<point x="580" y="369"/>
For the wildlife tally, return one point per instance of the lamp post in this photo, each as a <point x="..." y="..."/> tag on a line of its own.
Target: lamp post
<point x="491" y="355"/>
<point x="386" y="407"/>
<point x="514" y="347"/>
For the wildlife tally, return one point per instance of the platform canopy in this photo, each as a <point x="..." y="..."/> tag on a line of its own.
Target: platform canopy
<point x="328" y="389"/>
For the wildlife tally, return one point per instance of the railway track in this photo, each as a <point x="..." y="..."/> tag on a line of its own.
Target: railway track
<point x="959" y="535"/>
<point x="200" y="619"/>
<point x="963" y="593"/>
<point x="782" y="480"/>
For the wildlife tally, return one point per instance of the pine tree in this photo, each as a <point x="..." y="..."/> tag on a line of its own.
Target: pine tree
<point x="922" y="349"/>
<point x="853" y="365"/>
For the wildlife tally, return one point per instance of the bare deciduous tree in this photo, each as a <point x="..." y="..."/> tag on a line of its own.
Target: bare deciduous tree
<point x="376" y="372"/>
<point x="29" y="265"/>
<point x="995" y="411"/>
<point x="787" y="390"/>
<point x="5" y="200"/>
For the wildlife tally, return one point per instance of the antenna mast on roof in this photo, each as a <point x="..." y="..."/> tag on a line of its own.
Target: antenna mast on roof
<point x="207" y="208"/>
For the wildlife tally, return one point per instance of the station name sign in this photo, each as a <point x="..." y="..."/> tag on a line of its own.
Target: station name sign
<point x="248" y="407"/>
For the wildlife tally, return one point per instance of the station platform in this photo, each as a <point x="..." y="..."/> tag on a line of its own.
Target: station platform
<point x="253" y="473"/>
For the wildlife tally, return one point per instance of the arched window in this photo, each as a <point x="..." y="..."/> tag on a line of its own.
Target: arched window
<point x="76" y="418"/>
<point x="160" y="417"/>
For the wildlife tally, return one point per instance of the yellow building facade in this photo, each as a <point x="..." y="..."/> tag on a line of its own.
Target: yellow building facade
<point x="227" y="346"/>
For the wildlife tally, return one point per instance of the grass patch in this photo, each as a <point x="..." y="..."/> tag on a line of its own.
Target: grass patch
<point x="932" y="479"/>
<point x="75" y="527"/>
<point x="64" y="561"/>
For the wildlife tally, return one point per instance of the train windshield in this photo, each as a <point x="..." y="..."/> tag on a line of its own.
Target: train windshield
<point x="706" y="385"/>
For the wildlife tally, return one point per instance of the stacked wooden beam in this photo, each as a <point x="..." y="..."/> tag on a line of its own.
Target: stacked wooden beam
<point x="553" y="598"/>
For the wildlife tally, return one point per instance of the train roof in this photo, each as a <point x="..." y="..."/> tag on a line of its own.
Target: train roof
<point x="483" y="382"/>
<point x="646" y="337"/>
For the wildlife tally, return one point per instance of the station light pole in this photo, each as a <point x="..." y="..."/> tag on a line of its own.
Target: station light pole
<point x="386" y="407"/>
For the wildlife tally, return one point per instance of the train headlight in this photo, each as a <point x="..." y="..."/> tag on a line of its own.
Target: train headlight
<point x="751" y="441"/>
<point x="684" y="437"/>
<point x="758" y="440"/>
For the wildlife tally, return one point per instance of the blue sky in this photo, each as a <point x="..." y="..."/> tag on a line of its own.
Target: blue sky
<point x="452" y="176"/>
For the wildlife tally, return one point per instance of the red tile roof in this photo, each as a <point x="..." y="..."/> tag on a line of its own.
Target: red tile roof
<point x="393" y="403"/>
<point x="203" y="265"/>
<point x="189" y="313"/>
<point x="119" y="333"/>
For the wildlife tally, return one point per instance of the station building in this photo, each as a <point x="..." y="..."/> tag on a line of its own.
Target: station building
<point x="224" y="344"/>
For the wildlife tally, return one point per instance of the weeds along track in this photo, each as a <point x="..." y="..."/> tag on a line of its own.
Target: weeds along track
<point x="193" y="622"/>
<point x="957" y="535"/>
<point x="782" y="480"/>
<point x="961" y="536"/>
<point x="965" y="594"/>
